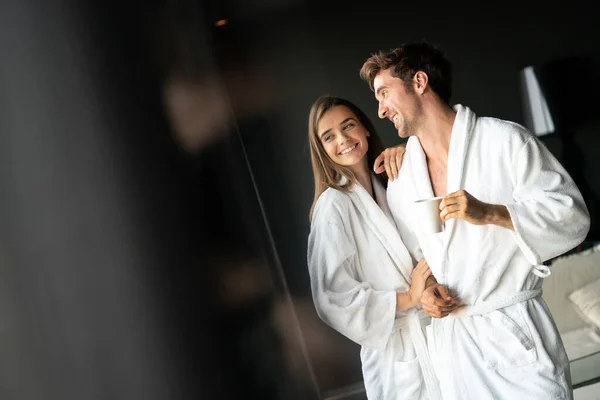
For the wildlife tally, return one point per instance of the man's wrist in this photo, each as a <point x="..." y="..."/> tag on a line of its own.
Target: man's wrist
<point x="497" y="214"/>
<point x="430" y="281"/>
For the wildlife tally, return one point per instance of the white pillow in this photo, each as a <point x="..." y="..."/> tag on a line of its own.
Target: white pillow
<point x="570" y="273"/>
<point x="587" y="303"/>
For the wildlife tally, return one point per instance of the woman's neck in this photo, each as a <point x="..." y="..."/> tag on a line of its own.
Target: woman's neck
<point x="363" y="175"/>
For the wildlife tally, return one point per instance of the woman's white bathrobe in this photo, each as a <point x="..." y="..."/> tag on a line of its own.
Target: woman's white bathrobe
<point x="357" y="263"/>
<point x="505" y="345"/>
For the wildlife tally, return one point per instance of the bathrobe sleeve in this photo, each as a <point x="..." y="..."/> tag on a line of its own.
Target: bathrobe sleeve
<point x="353" y="308"/>
<point x="549" y="214"/>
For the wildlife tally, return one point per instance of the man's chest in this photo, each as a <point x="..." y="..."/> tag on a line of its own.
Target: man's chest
<point x="438" y="176"/>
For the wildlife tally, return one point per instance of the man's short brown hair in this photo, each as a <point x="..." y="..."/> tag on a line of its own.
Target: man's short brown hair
<point x="406" y="60"/>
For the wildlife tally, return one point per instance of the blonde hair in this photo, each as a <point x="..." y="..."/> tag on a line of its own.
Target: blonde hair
<point x="327" y="174"/>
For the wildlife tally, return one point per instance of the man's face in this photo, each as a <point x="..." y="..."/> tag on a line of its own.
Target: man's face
<point x="397" y="103"/>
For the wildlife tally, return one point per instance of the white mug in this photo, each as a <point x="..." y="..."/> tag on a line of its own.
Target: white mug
<point x="427" y="215"/>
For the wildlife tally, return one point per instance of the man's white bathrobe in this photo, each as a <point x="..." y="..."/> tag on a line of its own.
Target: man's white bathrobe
<point x="357" y="263"/>
<point x="504" y="345"/>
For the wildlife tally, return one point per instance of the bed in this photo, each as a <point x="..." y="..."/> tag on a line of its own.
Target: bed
<point x="572" y="297"/>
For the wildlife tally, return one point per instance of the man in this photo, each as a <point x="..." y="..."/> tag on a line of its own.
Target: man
<point x="508" y="205"/>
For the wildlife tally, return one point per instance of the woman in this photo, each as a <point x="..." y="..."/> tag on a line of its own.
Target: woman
<point x="362" y="276"/>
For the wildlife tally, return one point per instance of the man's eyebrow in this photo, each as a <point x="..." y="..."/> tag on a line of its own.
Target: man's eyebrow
<point x="380" y="88"/>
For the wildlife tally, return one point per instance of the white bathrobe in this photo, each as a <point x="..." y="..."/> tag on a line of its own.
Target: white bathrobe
<point x="505" y="344"/>
<point x="357" y="263"/>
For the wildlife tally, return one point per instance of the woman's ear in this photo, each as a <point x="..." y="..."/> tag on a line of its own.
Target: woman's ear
<point x="368" y="134"/>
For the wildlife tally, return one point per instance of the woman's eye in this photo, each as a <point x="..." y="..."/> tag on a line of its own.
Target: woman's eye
<point x="328" y="138"/>
<point x="348" y="126"/>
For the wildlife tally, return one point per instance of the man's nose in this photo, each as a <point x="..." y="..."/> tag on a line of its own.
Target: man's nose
<point x="382" y="111"/>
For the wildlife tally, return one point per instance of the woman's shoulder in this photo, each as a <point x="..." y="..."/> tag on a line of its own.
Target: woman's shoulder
<point x="331" y="203"/>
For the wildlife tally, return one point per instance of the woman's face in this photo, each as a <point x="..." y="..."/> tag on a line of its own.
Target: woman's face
<point x="343" y="137"/>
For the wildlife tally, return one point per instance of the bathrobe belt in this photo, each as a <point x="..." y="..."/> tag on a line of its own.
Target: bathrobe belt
<point x="412" y="320"/>
<point x="488" y="306"/>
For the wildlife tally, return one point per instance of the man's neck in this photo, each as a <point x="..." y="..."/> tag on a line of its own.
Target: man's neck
<point x="435" y="134"/>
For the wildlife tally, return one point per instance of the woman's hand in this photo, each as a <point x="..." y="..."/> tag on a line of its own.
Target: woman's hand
<point x="438" y="302"/>
<point x="418" y="278"/>
<point x="390" y="161"/>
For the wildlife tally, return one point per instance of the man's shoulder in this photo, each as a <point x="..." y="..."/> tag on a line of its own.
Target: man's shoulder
<point x="501" y="134"/>
<point x="502" y="129"/>
<point x="412" y="144"/>
<point x="413" y="149"/>
<point x="397" y="190"/>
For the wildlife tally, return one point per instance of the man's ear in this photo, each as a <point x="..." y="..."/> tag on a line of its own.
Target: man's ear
<point x="420" y="82"/>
